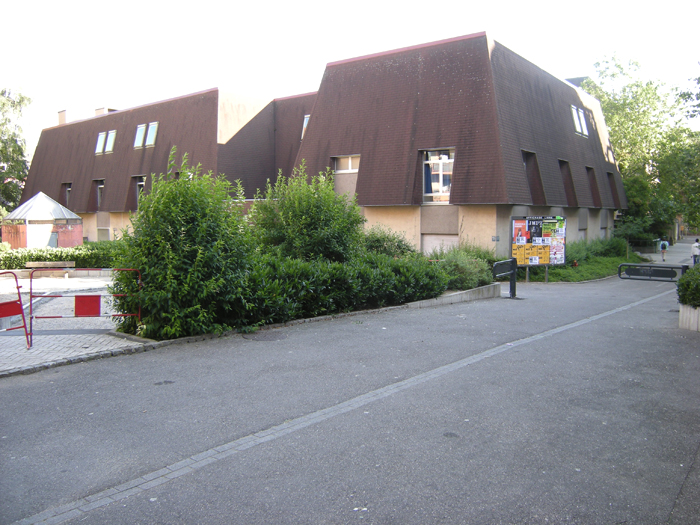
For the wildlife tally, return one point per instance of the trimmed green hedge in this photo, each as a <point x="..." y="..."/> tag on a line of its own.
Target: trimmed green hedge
<point x="89" y="255"/>
<point x="689" y="287"/>
<point x="280" y="289"/>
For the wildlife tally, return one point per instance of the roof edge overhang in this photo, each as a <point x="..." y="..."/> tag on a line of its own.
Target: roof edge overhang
<point x="295" y="96"/>
<point x="409" y="48"/>
<point x="216" y="89"/>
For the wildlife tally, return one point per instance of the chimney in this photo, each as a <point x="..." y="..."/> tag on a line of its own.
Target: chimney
<point x="104" y="111"/>
<point x="61" y="117"/>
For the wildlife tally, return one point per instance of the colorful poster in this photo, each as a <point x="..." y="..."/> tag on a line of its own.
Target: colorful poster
<point x="538" y="240"/>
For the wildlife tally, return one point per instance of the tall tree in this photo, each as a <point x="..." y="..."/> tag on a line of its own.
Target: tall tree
<point x="692" y="100"/>
<point x="658" y="156"/>
<point x="13" y="162"/>
<point x="638" y="114"/>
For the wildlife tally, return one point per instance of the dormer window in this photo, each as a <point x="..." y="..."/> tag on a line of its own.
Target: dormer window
<point x="347" y="164"/>
<point x="306" y="123"/>
<point x="105" y="142"/>
<point x="437" y="175"/>
<point x="147" y="132"/>
<point x="579" y="121"/>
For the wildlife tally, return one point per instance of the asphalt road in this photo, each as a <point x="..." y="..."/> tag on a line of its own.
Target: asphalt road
<point x="577" y="403"/>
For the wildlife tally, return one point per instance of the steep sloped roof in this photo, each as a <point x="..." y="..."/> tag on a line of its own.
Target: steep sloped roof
<point x="41" y="207"/>
<point x="471" y="94"/>
<point x="66" y="153"/>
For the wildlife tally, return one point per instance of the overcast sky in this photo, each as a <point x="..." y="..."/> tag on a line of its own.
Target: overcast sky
<point x="82" y="55"/>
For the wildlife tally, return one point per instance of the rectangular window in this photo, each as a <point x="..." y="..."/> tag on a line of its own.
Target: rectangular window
<point x="140" y="134"/>
<point x="111" y="137"/>
<point x="595" y="192"/>
<point x="105" y="142"/>
<point x="100" y="146"/>
<point x="136" y="189"/>
<point x="147" y="132"/>
<point x="349" y="164"/>
<point x="534" y="179"/>
<point x="306" y="123"/>
<point x="437" y="174"/>
<point x="100" y="192"/>
<point x="65" y="193"/>
<point x="569" y="188"/>
<point x="151" y="134"/>
<point x="579" y="121"/>
<point x="613" y="189"/>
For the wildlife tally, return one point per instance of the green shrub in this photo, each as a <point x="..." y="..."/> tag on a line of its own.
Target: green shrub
<point x="4" y="247"/>
<point x="307" y="219"/>
<point x="464" y="271"/>
<point x="379" y="239"/>
<point x="613" y="247"/>
<point x="689" y="287"/>
<point x="576" y="251"/>
<point x="89" y="255"/>
<point x="189" y="242"/>
<point x="281" y="289"/>
<point x="467" y="265"/>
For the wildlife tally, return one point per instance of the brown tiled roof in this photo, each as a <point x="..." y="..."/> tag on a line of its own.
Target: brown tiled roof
<point x="66" y="153"/>
<point x="468" y="93"/>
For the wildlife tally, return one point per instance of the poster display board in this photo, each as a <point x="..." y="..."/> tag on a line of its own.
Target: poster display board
<point x="538" y="240"/>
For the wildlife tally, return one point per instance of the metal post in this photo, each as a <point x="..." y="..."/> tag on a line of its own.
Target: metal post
<point x="513" y="276"/>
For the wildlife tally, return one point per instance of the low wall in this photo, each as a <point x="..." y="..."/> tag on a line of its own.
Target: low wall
<point x="483" y="292"/>
<point x="689" y="318"/>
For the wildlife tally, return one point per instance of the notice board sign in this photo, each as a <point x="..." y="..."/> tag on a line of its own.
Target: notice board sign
<point x="538" y="241"/>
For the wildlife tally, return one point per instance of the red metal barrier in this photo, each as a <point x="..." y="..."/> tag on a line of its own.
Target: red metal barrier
<point x="84" y="306"/>
<point x="12" y="308"/>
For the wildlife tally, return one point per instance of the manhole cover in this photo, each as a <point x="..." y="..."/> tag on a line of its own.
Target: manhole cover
<point x="266" y="335"/>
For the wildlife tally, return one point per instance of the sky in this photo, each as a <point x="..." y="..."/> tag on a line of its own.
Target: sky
<point x="78" y="55"/>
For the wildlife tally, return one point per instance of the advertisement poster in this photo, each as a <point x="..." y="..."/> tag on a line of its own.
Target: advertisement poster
<point x="539" y="240"/>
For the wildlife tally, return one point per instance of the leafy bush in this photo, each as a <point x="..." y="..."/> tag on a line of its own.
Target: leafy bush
<point x="576" y="251"/>
<point x="89" y="255"/>
<point x="307" y="220"/>
<point x="689" y="287"/>
<point x="467" y="265"/>
<point x="379" y="239"/>
<point x="613" y="247"/>
<point x="582" y="250"/>
<point x="4" y="247"/>
<point x="464" y="271"/>
<point x="280" y="289"/>
<point x="472" y="251"/>
<point x="189" y="242"/>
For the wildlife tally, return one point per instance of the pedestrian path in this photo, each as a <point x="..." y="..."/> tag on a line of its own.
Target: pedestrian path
<point x="679" y="253"/>
<point x="64" y="341"/>
<point x="59" y="342"/>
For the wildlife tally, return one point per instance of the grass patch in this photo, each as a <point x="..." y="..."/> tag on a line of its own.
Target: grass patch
<point x="592" y="268"/>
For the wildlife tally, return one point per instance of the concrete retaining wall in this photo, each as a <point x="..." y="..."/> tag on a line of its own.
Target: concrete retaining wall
<point x="689" y="318"/>
<point x="483" y="292"/>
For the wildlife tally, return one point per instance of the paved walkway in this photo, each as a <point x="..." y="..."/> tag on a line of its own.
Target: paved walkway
<point x="64" y="341"/>
<point x="59" y="342"/>
<point x="576" y="403"/>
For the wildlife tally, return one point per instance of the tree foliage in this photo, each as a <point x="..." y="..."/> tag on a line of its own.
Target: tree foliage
<point x="638" y="114"/>
<point x="657" y="154"/>
<point x="13" y="162"/>
<point x="189" y="243"/>
<point x="307" y="219"/>
<point x="691" y="99"/>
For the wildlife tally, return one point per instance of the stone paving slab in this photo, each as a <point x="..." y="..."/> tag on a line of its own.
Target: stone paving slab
<point x="64" y="341"/>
